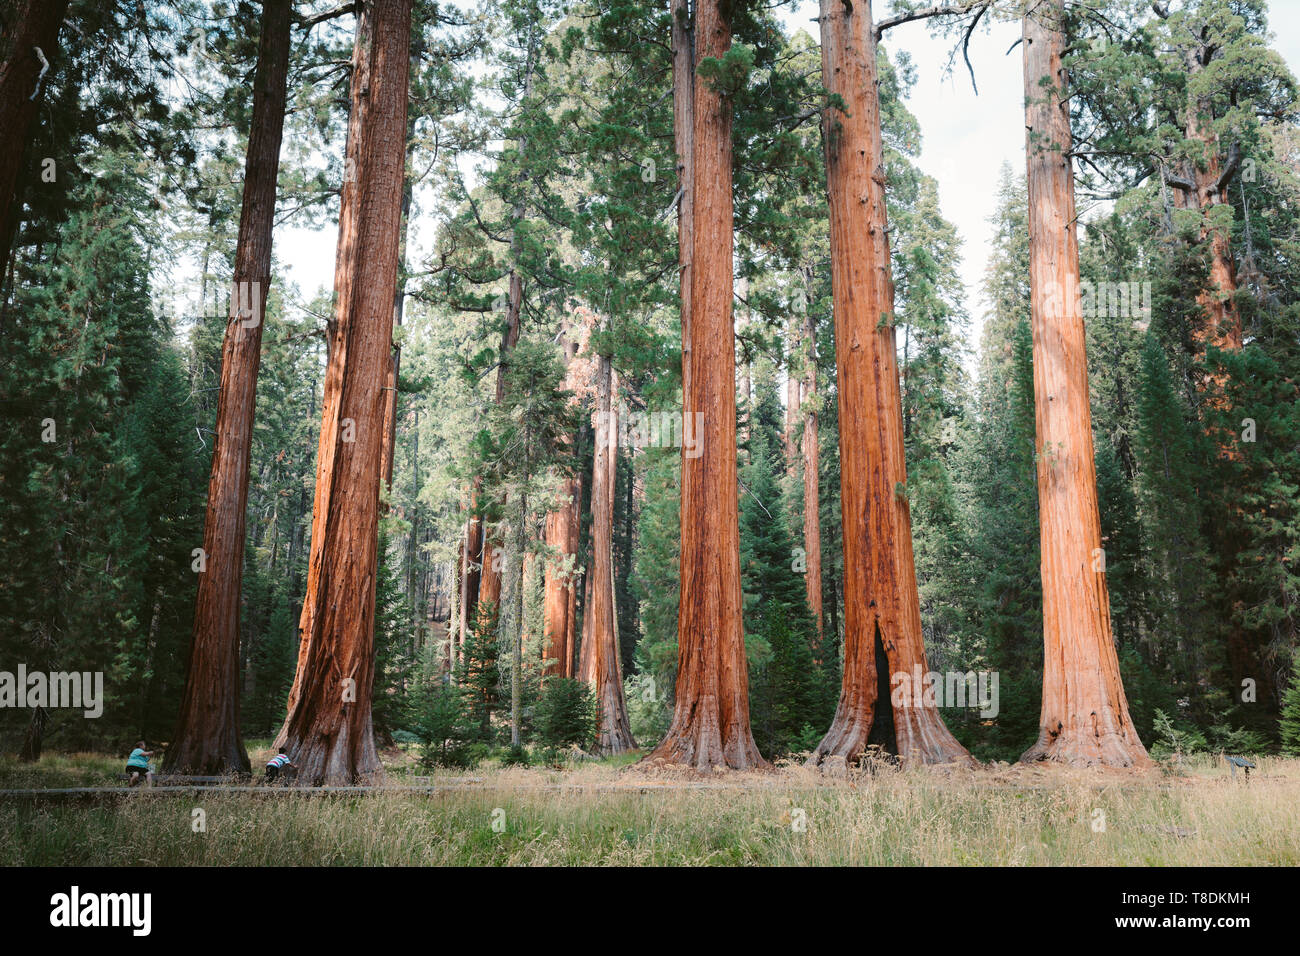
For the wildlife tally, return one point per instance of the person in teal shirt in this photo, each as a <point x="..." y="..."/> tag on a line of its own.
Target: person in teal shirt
<point x="137" y="765"/>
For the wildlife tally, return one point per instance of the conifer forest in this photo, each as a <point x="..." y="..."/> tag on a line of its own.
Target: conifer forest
<point x="650" y="433"/>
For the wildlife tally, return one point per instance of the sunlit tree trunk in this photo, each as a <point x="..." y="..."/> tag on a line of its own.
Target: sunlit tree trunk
<point x="710" y="726"/>
<point x="207" y="738"/>
<point x="882" y="609"/>
<point x="558" y="601"/>
<point x="27" y="26"/>
<point x="399" y="309"/>
<point x="562" y="533"/>
<point x="471" y="548"/>
<point x="601" y="668"/>
<point x="812" y="527"/>
<point x="683" y="41"/>
<point x="1085" y="718"/>
<point x="328" y="732"/>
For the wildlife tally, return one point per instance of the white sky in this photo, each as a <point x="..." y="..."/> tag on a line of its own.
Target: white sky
<point x="965" y="139"/>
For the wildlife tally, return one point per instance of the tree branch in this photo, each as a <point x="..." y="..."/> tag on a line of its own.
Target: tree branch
<point x="306" y="23"/>
<point x="925" y="13"/>
<point x="1230" y="168"/>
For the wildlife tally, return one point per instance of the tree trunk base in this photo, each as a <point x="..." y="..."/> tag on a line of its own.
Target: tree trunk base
<point x="329" y="760"/>
<point x="207" y="758"/>
<point x="912" y="731"/>
<point x="615" y="745"/>
<point x="703" y="748"/>
<point x="615" y="732"/>
<point x="1078" y="748"/>
<point x="926" y="741"/>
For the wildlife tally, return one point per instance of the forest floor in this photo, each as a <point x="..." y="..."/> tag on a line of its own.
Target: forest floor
<point x="613" y="812"/>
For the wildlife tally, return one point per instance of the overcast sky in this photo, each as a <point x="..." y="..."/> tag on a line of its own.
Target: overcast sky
<point x="965" y="138"/>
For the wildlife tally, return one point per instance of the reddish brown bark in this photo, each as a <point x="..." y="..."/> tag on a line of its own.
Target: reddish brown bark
<point x="207" y="739"/>
<point x="559" y="593"/>
<point x="710" y="727"/>
<point x="601" y="667"/>
<point x="1085" y="718"/>
<point x="389" y="451"/>
<point x="683" y="41"/>
<point x="328" y="731"/>
<point x="881" y="602"/>
<point x="812" y="526"/>
<point x="28" y="25"/>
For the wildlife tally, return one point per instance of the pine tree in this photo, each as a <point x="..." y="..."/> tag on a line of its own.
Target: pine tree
<point x="1290" y="721"/>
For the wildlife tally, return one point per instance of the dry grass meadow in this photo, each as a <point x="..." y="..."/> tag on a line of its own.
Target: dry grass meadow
<point x="619" y="814"/>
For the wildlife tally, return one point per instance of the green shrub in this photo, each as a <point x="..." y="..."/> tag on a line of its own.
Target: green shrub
<point x="442" y="725"/>
<point x="1238" y="741"/>
<point x="516" y="755"/>
<point x="1175" y="740"/>
<point x="566" y="713"/>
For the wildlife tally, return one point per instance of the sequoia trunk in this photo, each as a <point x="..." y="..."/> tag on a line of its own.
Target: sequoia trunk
<point x="812" y="527"/>
<point x="328" y="732"/>
<point x="1085" y="718"/>
<point x="399" y="308"/>
<point x="683" y="40"/>
<point x="882" y="610"/>
<point x="601" y="667"/>
<point x="710" y="727"/>
<point x="207" y="738"/>
<point x="559" y="591"/>
<point x="31" y="25"/>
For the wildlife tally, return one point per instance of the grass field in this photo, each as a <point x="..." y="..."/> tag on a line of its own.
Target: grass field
<point x="617" y="813"/>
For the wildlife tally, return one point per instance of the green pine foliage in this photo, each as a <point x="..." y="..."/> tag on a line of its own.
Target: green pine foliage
<point x="1290" y="723"/>
<point x="566" y="714"/>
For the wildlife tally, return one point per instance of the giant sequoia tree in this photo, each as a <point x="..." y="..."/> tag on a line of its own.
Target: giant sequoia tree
<point x="1085" y="718"/>
<point x="28" y="32"/>
<point x="328" y="731"/>
<point x="207" y="737"/>
<point x="562" y="532"/>
<point x="1225" y="83"/>
<point x="710" y="727"/>
<point x="600" y="666"/>
<point x="882" y="611"/>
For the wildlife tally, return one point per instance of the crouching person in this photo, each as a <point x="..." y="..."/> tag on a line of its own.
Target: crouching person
<point x="276" y="764"/>
<point x="137" y="765"/>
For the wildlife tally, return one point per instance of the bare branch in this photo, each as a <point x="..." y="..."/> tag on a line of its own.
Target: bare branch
<point x="1229" y="169"/>
<point x="925" y="13"/>
<point x="306" y="23"/>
